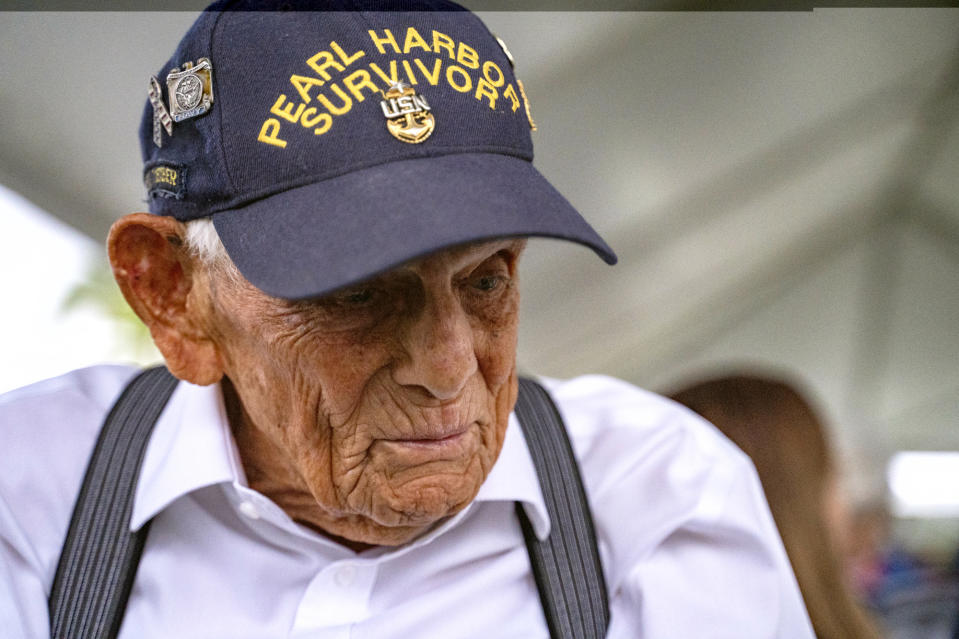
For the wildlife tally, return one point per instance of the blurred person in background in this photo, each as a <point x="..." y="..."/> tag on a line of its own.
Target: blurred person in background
<point x="773" y="424"/>
<point x="911" y="594"/>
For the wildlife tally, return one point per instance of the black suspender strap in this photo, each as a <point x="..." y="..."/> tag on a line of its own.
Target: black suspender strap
<point x="100" y="554"/>
<point x="566" y="565"/>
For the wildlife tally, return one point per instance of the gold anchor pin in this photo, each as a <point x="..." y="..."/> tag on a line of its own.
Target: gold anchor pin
<point x="409" y="117"/>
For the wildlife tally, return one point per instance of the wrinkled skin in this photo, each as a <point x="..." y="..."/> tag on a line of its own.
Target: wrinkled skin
<point x="368" y="415"/>
<point x="375" y="412"/>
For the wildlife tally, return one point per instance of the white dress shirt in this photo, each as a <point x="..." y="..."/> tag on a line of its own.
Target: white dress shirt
<point x="688" y="545"/>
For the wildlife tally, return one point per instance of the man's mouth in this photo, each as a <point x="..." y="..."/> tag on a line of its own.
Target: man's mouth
<point x="437" y="441"/>
<point x="432" y="440"/>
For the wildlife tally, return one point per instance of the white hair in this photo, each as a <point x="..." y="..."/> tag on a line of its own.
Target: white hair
<point x="203" y="241"/>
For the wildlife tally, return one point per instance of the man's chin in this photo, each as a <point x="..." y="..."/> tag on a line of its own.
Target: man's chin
<point x="372" y="533"/>
<point x="412" y="509"/>
<point x="423" y="503"/>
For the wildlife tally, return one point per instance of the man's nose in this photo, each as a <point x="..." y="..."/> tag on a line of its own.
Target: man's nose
<point x="439" y="355"/>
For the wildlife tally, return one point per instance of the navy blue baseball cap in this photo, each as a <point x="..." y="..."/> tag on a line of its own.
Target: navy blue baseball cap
<point x="332" y="141"/>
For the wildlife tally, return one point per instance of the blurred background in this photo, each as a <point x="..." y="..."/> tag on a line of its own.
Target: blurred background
<point x="782" y="190"/>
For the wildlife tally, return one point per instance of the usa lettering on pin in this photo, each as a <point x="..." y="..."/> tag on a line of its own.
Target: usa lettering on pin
<point x="408" y="115"/>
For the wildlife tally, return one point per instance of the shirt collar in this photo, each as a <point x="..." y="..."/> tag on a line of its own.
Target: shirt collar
<point x="514" y="478"/>
<point x="192" y="447"/>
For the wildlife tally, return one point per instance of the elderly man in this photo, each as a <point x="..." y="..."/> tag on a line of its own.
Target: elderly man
<point x="338" y="203"/>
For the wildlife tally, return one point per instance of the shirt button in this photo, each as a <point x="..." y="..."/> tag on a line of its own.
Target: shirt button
<point x="248" y="508"/>
<point x="345" y="576"/>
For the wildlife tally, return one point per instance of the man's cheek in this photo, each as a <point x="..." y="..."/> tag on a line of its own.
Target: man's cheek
<point x="499" y="363"/>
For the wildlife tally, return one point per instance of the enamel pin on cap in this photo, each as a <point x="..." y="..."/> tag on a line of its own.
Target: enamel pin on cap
<point x="190" y="90"/>
<point x="519" y="83"/>
<point x="408" y="115"/>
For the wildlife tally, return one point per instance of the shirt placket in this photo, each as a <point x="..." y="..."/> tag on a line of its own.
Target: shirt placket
<point x="336" y="598"/>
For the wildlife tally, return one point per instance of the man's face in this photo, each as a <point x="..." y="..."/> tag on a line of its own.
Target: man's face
<point x="374" y="412"/>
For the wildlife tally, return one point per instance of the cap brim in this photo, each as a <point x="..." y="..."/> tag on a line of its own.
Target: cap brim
<point x="310" y="240"/>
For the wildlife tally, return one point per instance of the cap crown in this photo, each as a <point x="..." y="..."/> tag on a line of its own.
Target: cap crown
<point x="301" y="96"/>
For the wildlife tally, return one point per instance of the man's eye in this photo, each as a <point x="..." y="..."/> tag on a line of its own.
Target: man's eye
<point x="357" y="297"/>
<point x="488" y="282"/>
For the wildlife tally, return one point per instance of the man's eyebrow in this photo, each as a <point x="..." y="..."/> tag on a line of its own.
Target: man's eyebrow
<point x="489" y="249"/>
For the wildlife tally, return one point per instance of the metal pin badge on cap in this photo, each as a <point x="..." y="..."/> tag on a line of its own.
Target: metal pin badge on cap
<point x="161" y="117"/>
<point x="519" y="83"/>
<point x="408" y="115"/>
<point x="190" y="90"/>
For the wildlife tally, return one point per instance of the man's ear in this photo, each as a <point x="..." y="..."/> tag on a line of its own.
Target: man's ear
<point x="165" y="286"/>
